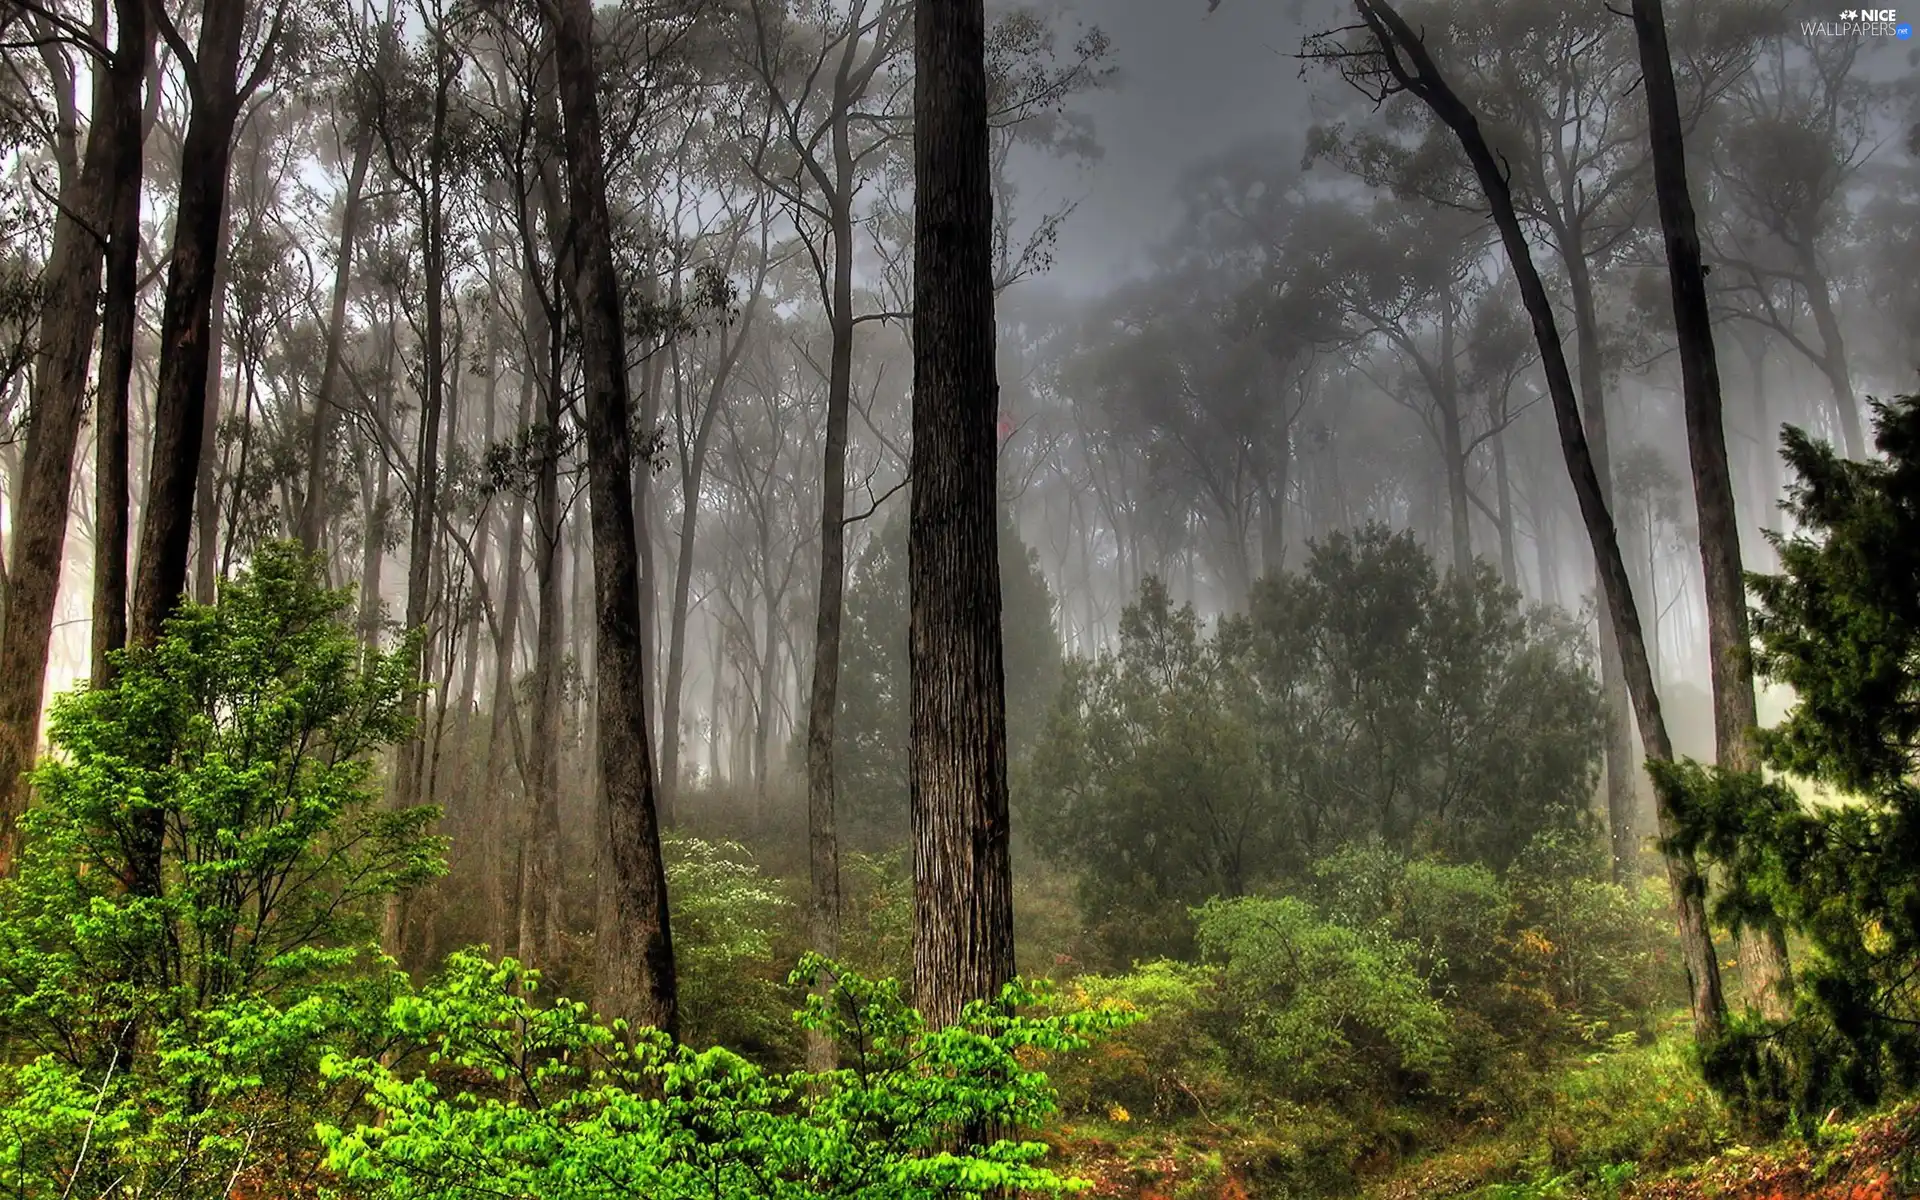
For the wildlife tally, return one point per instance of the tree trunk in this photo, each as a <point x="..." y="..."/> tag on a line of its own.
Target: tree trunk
<point x="1763" y="952"/>
<point x="1503" y="489"/>
<point x="119" y="319"/>
<point x="45" y="492"/>
<point x="313" y="504"/>
<point x="1621" y="769"/>
<point x="426" y="489"/>
<point x="186" y="342"/>
<point x="206" y="574"/>
<point x="963" y="877"/>
<point x="540" y="857"/>
<point x="633" y="967"/>
<point x="1407" y="58"/>
<point x="503" y="717"/>
<point x="1833" y="345"/>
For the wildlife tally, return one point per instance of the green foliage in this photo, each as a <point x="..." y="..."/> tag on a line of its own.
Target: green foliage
<point x="543" y="1102"/>
<point x="193" y="909"/>
<point x="1172" y="1061"/>
<point x="726" y="914"/>
<point x="1324" y="1009"/>
<point x="1366" y="697"/>
<point x="1840" y="624"/>
<point x="870" y="754"/>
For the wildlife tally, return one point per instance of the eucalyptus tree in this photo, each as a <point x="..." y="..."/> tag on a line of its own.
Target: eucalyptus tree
<point x="97" y="183"/>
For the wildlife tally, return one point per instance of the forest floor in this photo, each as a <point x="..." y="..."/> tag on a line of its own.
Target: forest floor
<point x="1668" y="1144"/>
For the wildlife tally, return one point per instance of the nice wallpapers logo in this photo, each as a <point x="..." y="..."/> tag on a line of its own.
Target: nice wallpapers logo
<point x="1861" y="22"/>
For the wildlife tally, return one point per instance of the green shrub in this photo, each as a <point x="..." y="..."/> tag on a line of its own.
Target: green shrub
<point x="551" y="1105"/>
<point x="726" y="916"/>
<point x="193" y="911"/>
<point x="1173" y="1061"/>
<point x="1323" y="1010"/>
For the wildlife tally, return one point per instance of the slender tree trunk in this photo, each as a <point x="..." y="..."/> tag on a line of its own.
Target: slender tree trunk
<point x="823" y="839"/>
<point x="206" y="573"/>
<point x="540" y="857"/>
<point x="1622" y="771"/>
<point x="119" y="319"/>
<point x="503" y="719"/>
<point x="633" y="967"/>
<point x="67" y="327"/>
<point x="1503" y="489"/>
<point x="963" y="877"/>
<point x="1414" y="69"/>
<point x="313" y="504"/>
<point x="1763" y="952"/>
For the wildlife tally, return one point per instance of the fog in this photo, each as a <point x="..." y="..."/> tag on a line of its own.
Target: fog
<point x="1307" y="499"/>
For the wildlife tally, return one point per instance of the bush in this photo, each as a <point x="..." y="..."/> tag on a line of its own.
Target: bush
<point x="726" y="915"/>
<point x="1323" y="1010"/>
<point x="195" y="901"/>
<point x="548" y="1104"/>
<point x="1172" y="1061"/>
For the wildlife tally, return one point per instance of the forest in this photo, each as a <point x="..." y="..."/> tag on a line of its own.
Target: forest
<point x="921" y="599"/>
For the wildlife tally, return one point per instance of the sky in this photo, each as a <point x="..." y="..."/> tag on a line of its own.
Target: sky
<point x="1191" y="84"/>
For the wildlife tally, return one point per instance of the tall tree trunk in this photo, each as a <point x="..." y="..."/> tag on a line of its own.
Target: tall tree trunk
<point x="206" y="535"/>
<point x="963" y="875"/>
<point x="426" y="489"/>
<point x="186" y="344"/>
<point x="540" y="857"/>
<point x="1414" y="70"/>
<point x="503" y="717"/>
<point x="692" y="471"/>
<point x="67" y="327"/>
<point x="1763" y="952"/>
<point x="120" y="316"/>
<point x="823" y="839"/>
<point x="633" y="966"/>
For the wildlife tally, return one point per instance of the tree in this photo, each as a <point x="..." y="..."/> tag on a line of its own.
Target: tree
<point x="1735" y="715"/>
<point x="93" y="191"/>
<point x="1394" y="58"/>
<point x="963" y="871"/>
<point x="1840" y="625"/>
<point x="633" y="964"/>
<point x="1366" y="696"/>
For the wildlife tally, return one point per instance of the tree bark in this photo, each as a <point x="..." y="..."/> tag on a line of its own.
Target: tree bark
<point x="1413" y="70"/>
<point x="633" y="967"/>
<point x="963" y="879"/>
<point x="1763" y="951"/>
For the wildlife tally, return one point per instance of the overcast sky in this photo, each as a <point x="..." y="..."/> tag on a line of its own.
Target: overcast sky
<point x="1191" y="84"/>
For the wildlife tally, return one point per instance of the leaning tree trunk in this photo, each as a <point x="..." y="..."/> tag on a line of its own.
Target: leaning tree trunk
<point x="633" y="967"/>
<point x="963" y="877"/>
<point x="1763" y="952"/>
<point x="67" y="326"/>
<point x="1413" y="69"/>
